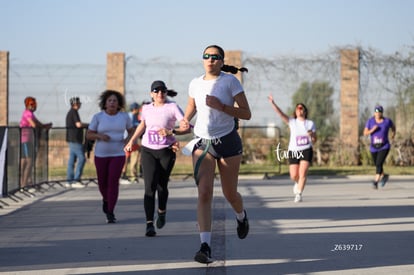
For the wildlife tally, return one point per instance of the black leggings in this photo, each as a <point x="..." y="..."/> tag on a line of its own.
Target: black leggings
<point x="156" y="167"/>
<point x="379" y="159"/>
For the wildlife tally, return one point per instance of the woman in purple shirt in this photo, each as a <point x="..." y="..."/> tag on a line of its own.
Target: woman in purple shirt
<point x="378" y="127"/>
<point x="158" y="147"/>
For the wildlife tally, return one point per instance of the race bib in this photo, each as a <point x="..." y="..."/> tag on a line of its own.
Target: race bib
<point x="302" y="140"/>
<point x="377" y="140"/>
<point x="155" y="138"/>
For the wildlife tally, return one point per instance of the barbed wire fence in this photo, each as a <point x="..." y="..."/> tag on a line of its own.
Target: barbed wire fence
<point x="385" y="79"/>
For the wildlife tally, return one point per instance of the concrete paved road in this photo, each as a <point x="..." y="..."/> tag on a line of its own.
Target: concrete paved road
<point x="343" y="226"/>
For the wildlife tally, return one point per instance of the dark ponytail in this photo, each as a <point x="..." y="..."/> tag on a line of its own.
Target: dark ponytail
<point x="233" y="69"/>
<point x="171" y="93"/>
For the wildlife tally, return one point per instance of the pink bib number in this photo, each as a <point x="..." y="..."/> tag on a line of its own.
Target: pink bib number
<point x="302" y="140"/>
<point x="155" y="138"/>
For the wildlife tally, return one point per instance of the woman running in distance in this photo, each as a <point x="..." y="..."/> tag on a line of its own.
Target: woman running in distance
<point x="302" y="138"/>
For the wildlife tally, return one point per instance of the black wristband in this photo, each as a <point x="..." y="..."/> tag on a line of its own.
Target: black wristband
<point x="174" y="132"/>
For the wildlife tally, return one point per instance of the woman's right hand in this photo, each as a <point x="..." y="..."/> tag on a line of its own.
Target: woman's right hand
<point x="270" y="98"/>
<point x="374" y="128"/>
<point x="128" y="147"/>
<point x="184" y="124"/>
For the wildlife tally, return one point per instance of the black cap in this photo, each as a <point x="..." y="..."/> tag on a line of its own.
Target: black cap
<point x="158" y="85"/>
<point x="379" y="109"/>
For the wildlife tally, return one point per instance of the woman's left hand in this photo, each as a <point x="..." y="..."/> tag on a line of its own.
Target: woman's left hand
<point x="312" y="135"/>
<point x="128" y="147"/>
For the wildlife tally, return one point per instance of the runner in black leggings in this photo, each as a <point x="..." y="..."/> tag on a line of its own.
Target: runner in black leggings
<point x="157" y="166"/>
<point x="158" y="147"/>
<point x="377" y="127"/>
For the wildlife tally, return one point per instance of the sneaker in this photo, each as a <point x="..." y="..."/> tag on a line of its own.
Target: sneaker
<point x="110" y="218"/>
<point x="150" y="232"/>
<point x="28" y="189"/>
<point x="375" y="185"/>
<point x="78" y="184"/>
<point x="68" y="185"/>
<point x="243" y="227"/>
<point x="124" y="181"/>
<point x="298" y="198"/>
<point x="384" y="180"/>
<point x="204" y="254"/>
<point x="161" y="220"/>
<point x="295" y="188"/>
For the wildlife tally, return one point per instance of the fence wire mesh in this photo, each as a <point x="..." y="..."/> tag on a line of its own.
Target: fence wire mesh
<point x="383" y="80"/>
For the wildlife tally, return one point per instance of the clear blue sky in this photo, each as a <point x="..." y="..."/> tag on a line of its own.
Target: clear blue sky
<point x="83" y="31"/>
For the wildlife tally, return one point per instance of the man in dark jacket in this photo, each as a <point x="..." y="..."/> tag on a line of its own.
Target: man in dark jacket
<point x="74" y="137"/>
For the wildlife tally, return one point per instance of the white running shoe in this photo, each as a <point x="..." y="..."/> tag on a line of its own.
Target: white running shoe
<point x="78" y="185"/>
<point x="124" y="181"/>
<point x="298" y="197"/>
<point x="295" y="188"/>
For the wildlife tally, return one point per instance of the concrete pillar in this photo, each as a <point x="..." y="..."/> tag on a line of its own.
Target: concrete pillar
<point x="234" y="58"/>
<point x="115" y="72"/>
<point x="4" y="88"/>
<point x="349" y="134"/>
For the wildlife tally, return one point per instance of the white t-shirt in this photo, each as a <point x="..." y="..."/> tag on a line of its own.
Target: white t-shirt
<point x="299" y="137"/>
<point x="212" y="123"/>
<point x="114" y="126"/>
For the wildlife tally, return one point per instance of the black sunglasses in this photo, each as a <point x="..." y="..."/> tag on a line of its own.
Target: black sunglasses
<point x="213" y="56"/>
<point x="156" y="90"/>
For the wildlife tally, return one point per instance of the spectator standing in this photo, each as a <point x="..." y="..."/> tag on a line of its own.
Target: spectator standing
<point x="132" y="157"/>
<point x="74" y="138"/>
<point x="29" y="124"/>
<point x="107" y="128"/>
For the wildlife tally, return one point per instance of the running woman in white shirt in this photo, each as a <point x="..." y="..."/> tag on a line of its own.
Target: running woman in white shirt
<point x="302" y="136"/>
<point x="107" y="128"/>
<point x="213" y="96"/>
